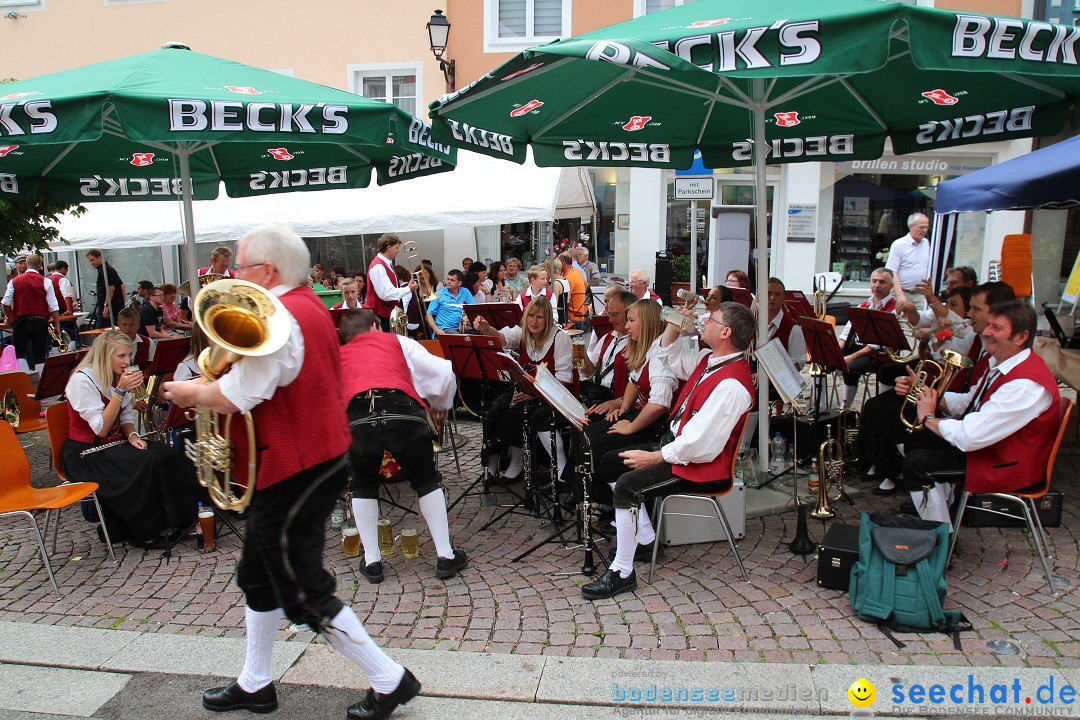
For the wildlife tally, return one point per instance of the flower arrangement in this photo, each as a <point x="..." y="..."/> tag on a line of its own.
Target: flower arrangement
<point x="561" y="245"/>
<point x="883" y="255"/>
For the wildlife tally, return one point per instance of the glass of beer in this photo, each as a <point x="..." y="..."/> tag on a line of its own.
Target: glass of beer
<point x="206" y="524"/>
<point x="350" y="541"/>
<point x="410" y="543"/>
<point x="386" y="538"/>
<point x="577" y="348"/>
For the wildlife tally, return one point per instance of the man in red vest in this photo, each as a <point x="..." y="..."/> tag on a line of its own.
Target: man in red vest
<point x="695" y="454"/>
<point x="383" y="293"/>
<point x="996" y="437"/>
<point x="604" y="363"/>
<point x="30" y="302"/>
<point x="219" y="263"/>
<point x="864" y="359"/>
<point x="302" y="470"/>
<point x="387" y="379"/>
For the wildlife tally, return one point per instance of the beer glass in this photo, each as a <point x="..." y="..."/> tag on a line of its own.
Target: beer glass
<point x="410" y="543"/>
<point x="350" y="541"/>
<point x="206" y="524"/>
<point x="386" y="538"/>
<point x="577" y="348"/>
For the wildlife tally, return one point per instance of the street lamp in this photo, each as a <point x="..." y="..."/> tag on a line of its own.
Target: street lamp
<point x="438" y="29"/>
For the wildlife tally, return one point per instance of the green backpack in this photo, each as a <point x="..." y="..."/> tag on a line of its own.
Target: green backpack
<point x="899" y="580"/>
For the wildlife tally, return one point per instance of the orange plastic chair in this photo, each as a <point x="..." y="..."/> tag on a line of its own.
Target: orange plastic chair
<point x="717" y="512"/>
<point x="1025" y="498"/>
<point x="29" y="409"/>
<point x="18" y="498"/>
<point x="1016" y="264"/>
<point x="57" y="419"/>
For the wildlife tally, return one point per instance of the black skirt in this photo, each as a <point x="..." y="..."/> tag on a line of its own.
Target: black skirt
<point x="142" y="492"/>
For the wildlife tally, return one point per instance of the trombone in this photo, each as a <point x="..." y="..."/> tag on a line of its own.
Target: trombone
<point x="426" y="293"/>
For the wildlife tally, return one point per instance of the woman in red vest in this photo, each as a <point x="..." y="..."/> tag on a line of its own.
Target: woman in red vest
<point x="539" y="341"/>
<point x="144" y="488"/>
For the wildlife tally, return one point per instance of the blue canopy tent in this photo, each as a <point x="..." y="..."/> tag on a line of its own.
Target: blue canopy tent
<point x="1046" y="178"/>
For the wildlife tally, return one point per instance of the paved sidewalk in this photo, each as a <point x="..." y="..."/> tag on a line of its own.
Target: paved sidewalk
<point x="697" y="609"/>
<point x="49" y="671"/>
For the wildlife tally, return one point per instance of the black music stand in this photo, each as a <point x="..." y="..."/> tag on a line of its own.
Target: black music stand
<point x="797" y="306"/>
<point x="498" y="315"/>
<point x="742" y="296"/>
<point x="168" y="356"/>
<point x="876" y="327"/>
<point x="474" y="357"/>
<point x="55" y="373"/>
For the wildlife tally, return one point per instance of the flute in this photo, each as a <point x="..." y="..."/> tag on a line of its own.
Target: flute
<point x="106" y="446"/>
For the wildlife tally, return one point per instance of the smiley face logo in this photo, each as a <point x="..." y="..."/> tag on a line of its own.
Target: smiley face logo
<point x="862" y="693"/>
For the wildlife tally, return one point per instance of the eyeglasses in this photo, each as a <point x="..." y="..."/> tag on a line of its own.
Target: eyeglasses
<point x="245" y="267"/>
<point x="710" y="318"/>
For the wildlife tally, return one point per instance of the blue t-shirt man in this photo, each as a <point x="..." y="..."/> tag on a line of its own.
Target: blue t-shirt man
<point x="442" y="316"/>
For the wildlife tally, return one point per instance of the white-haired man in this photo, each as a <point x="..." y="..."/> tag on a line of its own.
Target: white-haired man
<point x="588" y="267"/>
<point x="909" y="259"/>
<point x="302" y="471"/>
<point x="639" y="285"/>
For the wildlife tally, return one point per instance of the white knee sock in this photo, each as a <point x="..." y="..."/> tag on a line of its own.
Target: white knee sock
<point x="348" y="636"/>
<point x="932" y="505"/>
<point x="262" y="628"/>
<point x="625" y="542"/>
<point x="493" y="464"/>
<point x="366" y="513"/>
<point x="849" y="394"/>
<point x="887" y="484"/>
<point x="517" y="455"/>
<point x="433" y="506"/>
<point x="645" y="532"/>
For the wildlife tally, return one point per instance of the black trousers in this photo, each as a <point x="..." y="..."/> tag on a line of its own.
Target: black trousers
<point x="504" y="420"/>
<point x="880" y="430"/>
<point x="392" y="421"/>
<point x="384" y="323"/>
<point x="635" y="486"/>
<point x="282" y="561"/>
<point x="602" y="442"/>
<point x="31" y="333"/>
<point x="929" y="459"/>
<point x="889" y="372"/>
<point x="860" y="366"/>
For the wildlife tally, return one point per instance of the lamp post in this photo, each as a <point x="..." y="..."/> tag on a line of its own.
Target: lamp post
<point x="438" y="29"/>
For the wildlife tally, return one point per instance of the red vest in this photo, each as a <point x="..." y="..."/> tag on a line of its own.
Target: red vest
<point x="61" y="302"/>
<point x="372" y="301"/>
<point x="889" y="306"/>
<point x="527" y="361"/>
<point x="1019" y="460"/>
<point x="290" y="439"/>
<point x="621" y="375"/>
<point x="719" y="468"/>
<point x="784" y="331"/>
<point x="526" y="298"/>
<point x="80" y="430"/>
<point x="374" y="360"/>
<point x="644" y="387"/>
<point x="962" y="380"/>
<point x="605" y="343"/>
<point x="30" y="298"/>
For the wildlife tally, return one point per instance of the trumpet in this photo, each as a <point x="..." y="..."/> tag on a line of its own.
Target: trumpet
<point x="239" y="319"/>
<point x="953" y="362"/>
<point x="61" y="338"/>
<point x="830" y="474"/>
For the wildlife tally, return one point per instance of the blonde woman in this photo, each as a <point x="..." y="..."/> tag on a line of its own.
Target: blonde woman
<point x="641" y="412"/>
<point x="144" y="488"/>
<point x="540" y="342"/>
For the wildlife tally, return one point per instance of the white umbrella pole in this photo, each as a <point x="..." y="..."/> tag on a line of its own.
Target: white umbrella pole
<point x="762" y="243"/>
<point x="693" y="248"/>
<point x="192" y="265"/>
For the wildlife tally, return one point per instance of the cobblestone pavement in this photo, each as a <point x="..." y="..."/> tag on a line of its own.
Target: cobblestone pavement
<point x="696" y="608"/>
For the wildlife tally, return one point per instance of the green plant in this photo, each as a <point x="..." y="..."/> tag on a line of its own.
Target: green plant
<point x="680" y="268"/>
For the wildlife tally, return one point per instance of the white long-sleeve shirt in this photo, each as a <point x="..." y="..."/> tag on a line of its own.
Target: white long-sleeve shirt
<point x="563" y="370"/>
<point x="50" y="294"/>
<point x="433" y="377"/>
<point x="386" y="290"/>
<point x="618" y="342"/>
<point x="707" y="431"/>
<point x="662" y="382"/>
<point x="1012" y="406"/>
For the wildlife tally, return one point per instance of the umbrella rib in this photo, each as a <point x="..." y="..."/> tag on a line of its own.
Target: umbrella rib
<point x="357" y="153"/>
<point x="592" y="96"/>
<point x="866" y="106"/>
<point x="1032" y="83"/>
<point x="532" y="74"/>
<point x="60" y="156"/>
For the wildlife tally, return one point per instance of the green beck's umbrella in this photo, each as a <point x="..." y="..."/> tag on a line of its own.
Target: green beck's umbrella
<point x="836" y="79"/>
<point x="770" y="81"/>
<point x="172" y="124"/>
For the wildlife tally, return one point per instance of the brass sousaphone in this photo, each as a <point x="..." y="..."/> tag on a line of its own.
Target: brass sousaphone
<point x="240" y="319"/>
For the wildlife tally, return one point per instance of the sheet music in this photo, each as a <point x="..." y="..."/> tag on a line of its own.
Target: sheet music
<point x="781" y="371"/>
<point x="560" y="397"/>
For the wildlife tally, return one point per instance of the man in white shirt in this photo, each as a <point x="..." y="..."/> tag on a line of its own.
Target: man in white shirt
<point x="999" y="434"/>
<point x="606" y="379"/>
<point x="30" y="302"/>
<point x="383" y="293"/>
<point x="909" y="259"/>
<point x="703" y="434"/>
<point x="639" y="285"/>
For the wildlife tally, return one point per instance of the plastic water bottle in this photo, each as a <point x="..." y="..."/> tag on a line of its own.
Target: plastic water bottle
<point x="776" y="455"/>
<point x="337" y="517"/>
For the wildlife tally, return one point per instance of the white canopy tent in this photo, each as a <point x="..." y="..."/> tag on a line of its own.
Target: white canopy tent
<point x="481" y="191"/>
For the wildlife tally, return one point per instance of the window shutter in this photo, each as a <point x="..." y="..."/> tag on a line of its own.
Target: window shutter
<point x="547" y="19"/>
<point x="512" y="18"/>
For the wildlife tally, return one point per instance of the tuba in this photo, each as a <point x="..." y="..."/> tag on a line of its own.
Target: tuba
<point x="11" y="409"/>
<point x="239" y="319"/>
<point x="399" y="320"/>
<point x="953" y="362"/>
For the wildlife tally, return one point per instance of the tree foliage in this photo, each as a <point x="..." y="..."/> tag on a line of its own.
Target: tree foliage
<point x="31" y="225"/>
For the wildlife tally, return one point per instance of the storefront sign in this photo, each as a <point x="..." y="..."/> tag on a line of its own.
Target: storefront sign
<point x="918" y="164"/>
<point x="801" y="222"/>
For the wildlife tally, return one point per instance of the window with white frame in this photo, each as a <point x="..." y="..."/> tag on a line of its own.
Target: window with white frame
<point x="28" y="4"/>
<point x="397" y="83"/>
<point x="647" y="7"/>
<point x="518" y="24"/>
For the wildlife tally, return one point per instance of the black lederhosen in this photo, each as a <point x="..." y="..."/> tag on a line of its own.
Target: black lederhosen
<point x="635" y="486"/>
<point x="282" y="562"/>
<point x="392" y="421"/>
<point x="31" y="333"/>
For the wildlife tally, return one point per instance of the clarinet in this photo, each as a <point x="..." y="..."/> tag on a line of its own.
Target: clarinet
<point x="556" y="511"/>
<point x="106" y="446"/>
<point x="588" y="567"/>
<point x="527" y="454"/>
